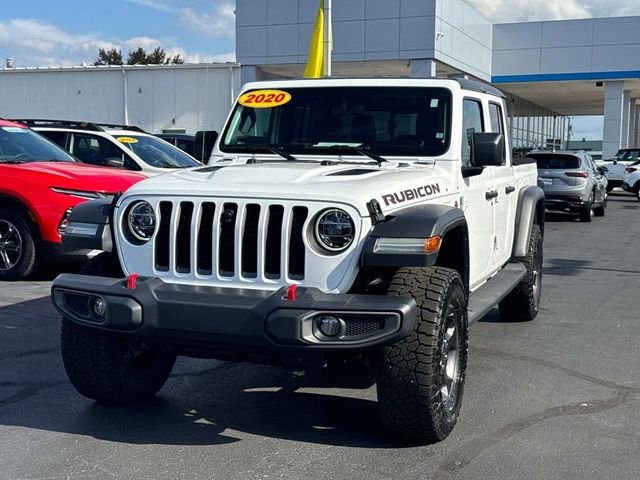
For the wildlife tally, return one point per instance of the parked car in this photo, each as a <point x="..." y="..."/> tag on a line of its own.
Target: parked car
<point x="109" y="145"/>
<point x="183" y="141"/>
<point x="199" y="146"/>
<point x="631" y="179"/>
<point x="616" y="166"/>
<point x="40" y="184"/>
<point x="317" y="242"/>
<point x="573" y="183"/>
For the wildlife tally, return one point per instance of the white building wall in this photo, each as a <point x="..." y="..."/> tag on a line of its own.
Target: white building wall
<point x="192" y="97"/>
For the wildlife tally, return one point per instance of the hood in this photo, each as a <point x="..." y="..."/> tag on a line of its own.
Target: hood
<point x="392" y="185"/>
<point x="78" y="176"/>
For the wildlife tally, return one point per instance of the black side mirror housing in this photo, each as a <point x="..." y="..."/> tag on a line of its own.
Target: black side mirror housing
<point x="487" y="149"/>
<point x="203" y="144"/>
<point x="603" y="170"/>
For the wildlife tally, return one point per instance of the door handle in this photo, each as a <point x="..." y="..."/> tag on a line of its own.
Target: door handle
<point x="509" y="189"/>
<point x="491" y="194"/>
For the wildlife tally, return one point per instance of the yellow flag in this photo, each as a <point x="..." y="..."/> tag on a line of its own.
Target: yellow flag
<point x="316" y="49"/>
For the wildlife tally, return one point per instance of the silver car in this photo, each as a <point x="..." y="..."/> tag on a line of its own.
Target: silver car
<point x="573" y="183"/>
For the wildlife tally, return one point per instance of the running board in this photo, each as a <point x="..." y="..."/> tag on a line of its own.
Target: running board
<point x="497" y="287"/>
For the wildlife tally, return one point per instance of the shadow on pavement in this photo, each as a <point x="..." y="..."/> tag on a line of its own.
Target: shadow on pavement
<point x="199" y="405"/>
<point x="564" y="266"/>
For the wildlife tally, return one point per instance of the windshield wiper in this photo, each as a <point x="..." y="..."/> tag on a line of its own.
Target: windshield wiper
<point x="11" y="161"/>
<point x="364" y="150"/>
<point x="275" y="149"/>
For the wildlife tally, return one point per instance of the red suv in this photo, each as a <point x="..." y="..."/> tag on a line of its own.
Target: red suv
<point x="39" y="185"/>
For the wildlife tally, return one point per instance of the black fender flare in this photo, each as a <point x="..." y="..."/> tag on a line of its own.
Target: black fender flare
<point x="530" y="210"/>
<point x="90" y="225"/>
<point x="421" y="222"/>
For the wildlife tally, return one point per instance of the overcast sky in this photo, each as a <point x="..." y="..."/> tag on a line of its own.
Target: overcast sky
<point x="69" y="32"/>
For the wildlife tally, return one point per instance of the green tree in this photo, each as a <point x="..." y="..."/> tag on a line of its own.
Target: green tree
<point x="112" y="56"/>
<point x="157" y="57"/>
<point x="137" y="57"/>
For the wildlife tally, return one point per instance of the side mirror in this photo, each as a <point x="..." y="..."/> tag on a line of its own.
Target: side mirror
<point x="487" y="149"/>
<point x="114" y="162"/>
<point x="603" y="170"/>
<point x="203" y="144"/>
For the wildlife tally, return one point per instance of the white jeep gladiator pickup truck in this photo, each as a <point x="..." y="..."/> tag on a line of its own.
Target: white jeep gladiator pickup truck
<point x="339" y="219"/>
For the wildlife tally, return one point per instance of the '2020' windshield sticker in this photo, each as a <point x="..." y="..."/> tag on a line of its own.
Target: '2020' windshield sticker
<point x="264" y="98"/>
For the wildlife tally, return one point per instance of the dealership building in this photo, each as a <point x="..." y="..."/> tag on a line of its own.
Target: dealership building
<point x="549" y="70"/>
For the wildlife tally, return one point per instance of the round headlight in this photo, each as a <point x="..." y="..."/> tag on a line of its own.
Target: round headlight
<point x="335" y="230"/>
<point x="141" y="220"/>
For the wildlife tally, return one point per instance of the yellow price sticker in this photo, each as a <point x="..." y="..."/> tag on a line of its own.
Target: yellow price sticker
<point x="127" y="140"/>
<point x="264" y="98"/>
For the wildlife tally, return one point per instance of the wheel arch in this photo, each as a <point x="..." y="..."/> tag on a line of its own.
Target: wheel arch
<point x="422" y="222"/>
<point x="529" y="211"/>
<point x="21" y="206"/>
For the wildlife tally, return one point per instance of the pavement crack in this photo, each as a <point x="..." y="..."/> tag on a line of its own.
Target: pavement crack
<point x="462" y="456"/>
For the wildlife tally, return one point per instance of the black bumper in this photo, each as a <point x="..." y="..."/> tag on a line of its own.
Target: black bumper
<point x="564" y="204"/>
<point x="56" y="252"/>
<point x="222" y="322"/>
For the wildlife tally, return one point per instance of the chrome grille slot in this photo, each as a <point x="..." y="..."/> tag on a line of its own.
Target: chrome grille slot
<point x="162" y="237"/>
<point x="226" y="245"/>
<point x="273" y="242"/>
<point x="183" y="238"/>
<point x="249" y="265"/>
<point x="296" y="243"/>
<point x="205" y="239"/>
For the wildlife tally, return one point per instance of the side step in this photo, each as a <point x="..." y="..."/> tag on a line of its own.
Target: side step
<point x="497" y="287"/>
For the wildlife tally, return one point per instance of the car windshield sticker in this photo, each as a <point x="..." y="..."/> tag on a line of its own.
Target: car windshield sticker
<point x="434" y="103"/>
<point x="14" y="129"/>
<point x="127" y="140"/>
<point x="264" y="98"/>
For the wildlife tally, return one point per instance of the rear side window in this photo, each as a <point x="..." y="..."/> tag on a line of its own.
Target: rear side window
<point x="551" y="162"/>
<point x="495" y="116"/>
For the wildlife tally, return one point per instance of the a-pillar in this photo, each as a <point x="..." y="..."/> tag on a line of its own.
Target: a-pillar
<point x="423" y="68"/>
<point x="615" y="100"/>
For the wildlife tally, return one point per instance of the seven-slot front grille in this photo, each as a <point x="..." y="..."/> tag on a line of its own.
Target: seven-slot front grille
<point x="230" y="240"/>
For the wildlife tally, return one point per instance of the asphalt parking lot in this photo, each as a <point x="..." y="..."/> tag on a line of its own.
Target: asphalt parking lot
<point x="555" y="398"/>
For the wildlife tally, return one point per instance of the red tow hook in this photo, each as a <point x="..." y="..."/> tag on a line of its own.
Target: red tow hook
<point x="291" y="293"/>
<point x="131" y="281"/>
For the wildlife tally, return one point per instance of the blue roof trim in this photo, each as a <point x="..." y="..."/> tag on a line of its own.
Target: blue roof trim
<point x="556" y="77"/>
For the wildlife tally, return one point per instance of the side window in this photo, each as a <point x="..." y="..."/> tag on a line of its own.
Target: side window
<point x="471" y="123"/>
<point x="495" y="116"/>
<point x="59" y="138"/>
<point x="95" y="150"/>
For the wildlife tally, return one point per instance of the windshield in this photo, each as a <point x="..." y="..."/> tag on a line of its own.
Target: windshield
<point x="157" y="152"/>
<point x="628" y="155"/>
<point x="401" y="121"/>
<point x="21" y="145"/>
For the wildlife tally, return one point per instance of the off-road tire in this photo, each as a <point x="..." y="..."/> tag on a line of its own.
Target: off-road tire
<point x="601" y="210"/>
<point x="410" y="372"/>
<point x="523" y="302"/>
<point x="29" y="261"/>
<point x="103" y="366"/>
<point x="586" y="214"/>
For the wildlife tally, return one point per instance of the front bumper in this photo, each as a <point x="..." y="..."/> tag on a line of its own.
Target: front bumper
<point x="56" y="252"/>
<point x="240" y="324"/>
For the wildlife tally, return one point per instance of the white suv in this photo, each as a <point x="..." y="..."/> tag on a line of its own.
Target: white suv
<point x="118" y="146"/>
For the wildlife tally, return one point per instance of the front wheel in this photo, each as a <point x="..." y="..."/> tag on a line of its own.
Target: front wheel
<point x="601" y="210"/>
<point x="587" y="213"/>
<point x="421" y="377"/>
<point x="104" y="366"/>
<point x="18" y="253"/>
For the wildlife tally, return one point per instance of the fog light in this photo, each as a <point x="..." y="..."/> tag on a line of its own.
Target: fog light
<point x="329" y="326"/>
<point x="99" y="307"/>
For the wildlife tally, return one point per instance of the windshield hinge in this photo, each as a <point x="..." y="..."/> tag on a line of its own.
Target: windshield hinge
<point x="375" y="211"/>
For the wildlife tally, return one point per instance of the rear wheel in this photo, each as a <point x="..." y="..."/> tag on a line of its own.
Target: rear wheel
<point x="523" y="302"/>
<point x="587" y="213"/>
<point x="104" y="366"/>
<point x="421" y="378"/>
<point x="18" y="254"/>
<point x="601" y="209"/>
